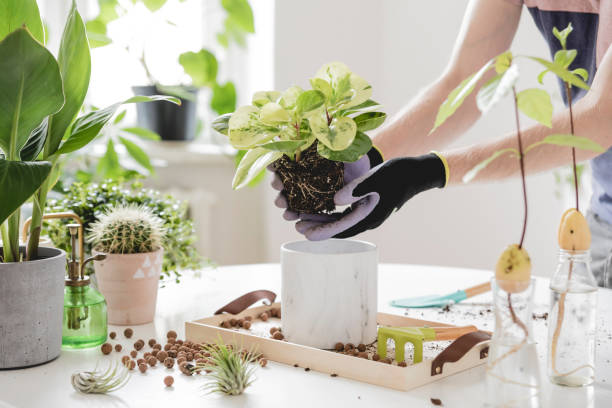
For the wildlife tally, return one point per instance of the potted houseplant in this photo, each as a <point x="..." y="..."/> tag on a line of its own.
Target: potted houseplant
<point x="90" y="200"/>
<point x="131" y="238"/>
<point x="179" y="122"/>
<point x="306" y="135"/>
<point x="41" y="97"/>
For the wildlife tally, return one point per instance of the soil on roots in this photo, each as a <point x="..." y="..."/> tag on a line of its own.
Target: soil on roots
<point x="311" y="182"/>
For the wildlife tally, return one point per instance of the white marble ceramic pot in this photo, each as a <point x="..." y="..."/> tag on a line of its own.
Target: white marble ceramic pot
<point x="329" y="292"/>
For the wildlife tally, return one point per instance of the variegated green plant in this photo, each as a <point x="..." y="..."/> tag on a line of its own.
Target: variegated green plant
<point x="335" y="112"/>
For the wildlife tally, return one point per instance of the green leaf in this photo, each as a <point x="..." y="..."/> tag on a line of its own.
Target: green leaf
<point x="88" y="126"/>
<point x="287" y="146"/>
<point x="469" y="176"/>
<point x="536" y="104"/>
<point x="35" y="143"/>
<point x="201" y="66"/>
<point x="75" y="67"/>
<point x="360" y="146"/>
<point x="369" y="120"/>
<point x="562" y="35"/>
<point x="137" y="153"/>
<point x="348" y="88"/>
<point x="289" y="98"/>
<point x="260" y="98"/>
<point x="368" y="105"/>
<point x="246" y="129"/>
<point x="221" y="124"/>
<point x="496" y="88"/>
<point x="503" y="62"/>
<point x="223" y="98"/>
<point x="154" y="5"/>
<point x="338" y="135"/>
<point x="96" y="33"/>
<point x="272" y="113"/>
<point x="16" y="13"/>
<point x="183" y="92"/>
<point x="31" y="88"/>
<point x="240" y="13"/>
<point x="108" y="165"/>
<point x="582" y="73"/>
<point x="253" y="162"/>
<point x="562" y="73"/>
<point x="457" y="96"/>
<point x="541" y="76"/>
<point x="18" y="181"/>
<point x="570" y="141"/>
<point x="565" y="57"/>
<point x="309" y="101"/>
<point x="142" y="133"/>
<point x="323" y="86"/>
<point x="120" y="117"/>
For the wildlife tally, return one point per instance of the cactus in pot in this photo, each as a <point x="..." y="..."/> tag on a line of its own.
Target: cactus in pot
<point x="131" y="237"/>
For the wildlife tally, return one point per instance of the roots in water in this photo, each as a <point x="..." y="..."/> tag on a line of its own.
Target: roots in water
<point x="310" y="182"/>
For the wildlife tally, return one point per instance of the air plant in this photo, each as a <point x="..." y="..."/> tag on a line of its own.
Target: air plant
<point x="101" y="381"/>
<point x="128" y="229"/>
<point x="230" y="371"/>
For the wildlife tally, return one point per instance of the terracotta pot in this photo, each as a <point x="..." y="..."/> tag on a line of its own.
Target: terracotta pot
<point x="129" y="283"/>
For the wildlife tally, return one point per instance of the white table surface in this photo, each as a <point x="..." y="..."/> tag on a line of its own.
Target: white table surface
<point x="279" y="385"/>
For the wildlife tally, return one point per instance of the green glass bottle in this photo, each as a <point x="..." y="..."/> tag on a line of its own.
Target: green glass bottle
<point x="84" y="322"/>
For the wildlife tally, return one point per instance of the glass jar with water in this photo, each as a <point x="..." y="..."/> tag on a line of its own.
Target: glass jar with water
<point x="572" y="321"/>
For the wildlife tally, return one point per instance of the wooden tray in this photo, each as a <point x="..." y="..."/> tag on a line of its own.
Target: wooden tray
<point x="466" y="352"/>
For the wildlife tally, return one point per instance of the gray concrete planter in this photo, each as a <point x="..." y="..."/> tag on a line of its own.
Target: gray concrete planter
<point x="31" y="309"/>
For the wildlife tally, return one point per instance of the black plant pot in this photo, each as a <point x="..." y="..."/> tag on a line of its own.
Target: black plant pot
<point x="170" y="121"/>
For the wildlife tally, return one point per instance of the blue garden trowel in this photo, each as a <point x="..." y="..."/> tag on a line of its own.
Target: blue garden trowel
<point x="442" y="300"/>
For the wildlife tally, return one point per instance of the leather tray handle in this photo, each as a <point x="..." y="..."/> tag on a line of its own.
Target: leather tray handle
<point x="458" y="349"/>
<point x="242" y="303"/>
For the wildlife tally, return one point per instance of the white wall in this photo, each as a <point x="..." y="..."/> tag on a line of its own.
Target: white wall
<point x="400" y="46"/>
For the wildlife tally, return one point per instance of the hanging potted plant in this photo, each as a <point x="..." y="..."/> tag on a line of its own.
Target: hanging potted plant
<point x="131" y="238"/>
<point x="41" y="97"/>
<point x="178" y="122"/>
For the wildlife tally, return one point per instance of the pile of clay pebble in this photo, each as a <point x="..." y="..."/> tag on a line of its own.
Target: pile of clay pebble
<point x="190" y="357"/>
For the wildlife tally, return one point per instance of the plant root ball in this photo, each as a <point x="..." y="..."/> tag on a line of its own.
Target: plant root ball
<point x="106" y="348"/>
<point x="574" y="233"/>
<point x="168" y="381"/>
<point x="128" y="332"/>
<point x="513" y="270"/>
<point x="311" y="182"/>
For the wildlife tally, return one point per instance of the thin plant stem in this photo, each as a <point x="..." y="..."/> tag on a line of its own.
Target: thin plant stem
<point x="522" y="165"/>
<point x="571" y="117"/>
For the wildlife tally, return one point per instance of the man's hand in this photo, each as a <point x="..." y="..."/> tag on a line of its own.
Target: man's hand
<point x="375" y="195"/>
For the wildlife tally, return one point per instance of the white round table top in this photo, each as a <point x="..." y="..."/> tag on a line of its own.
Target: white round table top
<point x="280" y="385"/>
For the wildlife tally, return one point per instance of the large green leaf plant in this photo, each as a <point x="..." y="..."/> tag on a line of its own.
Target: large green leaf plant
<point x="41" y="97"/>
<point x="336" y="112"/>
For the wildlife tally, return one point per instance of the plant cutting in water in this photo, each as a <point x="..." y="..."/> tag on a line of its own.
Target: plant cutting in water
<point x="230" y="371"/>
<point x="305" y="134"/>
<point x="574" y="233"/>
<point x="513" y="269"/>
<point x="101" y="381"/>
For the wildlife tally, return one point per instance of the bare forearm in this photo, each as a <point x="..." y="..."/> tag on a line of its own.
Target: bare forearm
<point x="408" y="133"/>
<point x="589" y="119"/>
